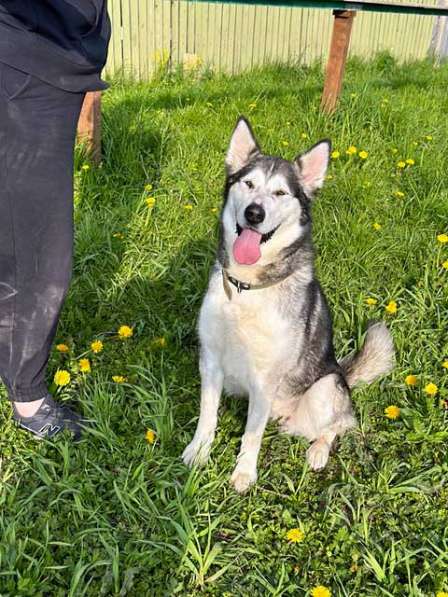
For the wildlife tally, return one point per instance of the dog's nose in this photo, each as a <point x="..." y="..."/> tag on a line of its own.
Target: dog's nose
<point x="254" y="213"/>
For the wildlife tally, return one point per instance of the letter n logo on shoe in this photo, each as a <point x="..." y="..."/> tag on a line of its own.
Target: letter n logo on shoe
<point x="49" y="429"/>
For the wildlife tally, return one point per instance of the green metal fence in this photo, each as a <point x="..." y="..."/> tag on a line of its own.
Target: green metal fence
<point x="227" y="37"/>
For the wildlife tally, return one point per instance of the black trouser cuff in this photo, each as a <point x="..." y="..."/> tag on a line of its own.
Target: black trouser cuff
<point x="27" y="394"/>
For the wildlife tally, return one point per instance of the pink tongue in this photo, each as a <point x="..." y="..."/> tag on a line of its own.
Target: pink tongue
<point x="246" y="248"/>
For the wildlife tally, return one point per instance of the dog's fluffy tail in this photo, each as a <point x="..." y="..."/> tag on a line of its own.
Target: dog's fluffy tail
<point x="376" y="357"/>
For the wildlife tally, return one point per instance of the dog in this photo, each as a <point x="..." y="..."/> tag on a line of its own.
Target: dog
<point x="265" y="328"/>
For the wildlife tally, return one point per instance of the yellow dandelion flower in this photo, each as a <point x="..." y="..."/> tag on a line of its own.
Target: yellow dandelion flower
<point x="61" y="377"/>
<point x="392" y="412"/>
<point x="363" y="154"/>
<point x="391" y="307"/>
<point x="148" y="188"/>
<point x="304" y="136"/>
<point x="84" y="366"/>
<point x="411" y="380"/>
<point x="352" y="150"/>
<point x="441" y="594"/>
<point x="62" y="348"/>
<point x="285" y="143"/>
<point x="188" y="207"/>
<point x="150" y="436"/>
<point x="159" y="342"/>
<point x="214" y="210"/>
<point x="428" y="137"/>
<point x="97" y="346"/>
<point x="431" y="389"/>
<point x="410" y="162"/>
<point x="445" y="264"/>
<point x="399" y="194"/>
<point x="401" y="164"/>
<point x="377" y="226"/>
<point x="371" y="301"/>
<point x="335" y="154"/>
<point x="295" y="535"/>
<point x="119" y="378"/>
<point x="445" y="364"/>
<point x="329" y="177"/>
<point x="85" y="167"/>
<point x="442" y="238"/>
<point x="150" y="202"/>
<point x="124" y="331"/>
<point x="320" y="591"/>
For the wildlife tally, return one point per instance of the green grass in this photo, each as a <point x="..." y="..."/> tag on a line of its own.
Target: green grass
<point x="115" y="515"/>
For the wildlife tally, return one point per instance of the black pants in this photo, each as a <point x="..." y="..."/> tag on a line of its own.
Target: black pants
<point x="37" y="136"/>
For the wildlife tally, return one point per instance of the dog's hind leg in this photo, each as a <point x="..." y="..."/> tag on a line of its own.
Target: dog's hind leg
<point x="245" y="472"/>
<point x="323" y="412"/>
<point x="198" y="450"/>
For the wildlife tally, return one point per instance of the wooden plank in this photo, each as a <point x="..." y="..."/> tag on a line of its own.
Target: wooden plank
<point x="236" y="42"/>
<point x="225" y="39"/>
<point x="143" y="40"/>
<point x="152" y="35"/>
<point x="115" y="57"/>
<point x="220" y="36"/>
<point x="127" y="32"/>
<point x="212" y="37"/>
<point x="201" y="48"/>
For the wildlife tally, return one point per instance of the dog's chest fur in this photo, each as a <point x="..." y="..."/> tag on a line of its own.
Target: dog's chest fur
<point x="249" y="335"/>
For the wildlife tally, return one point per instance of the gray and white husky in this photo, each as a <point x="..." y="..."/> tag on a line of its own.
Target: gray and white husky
<point x="264" y="325"/>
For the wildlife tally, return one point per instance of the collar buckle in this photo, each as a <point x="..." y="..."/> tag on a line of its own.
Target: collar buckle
<point x="240" y="286"/>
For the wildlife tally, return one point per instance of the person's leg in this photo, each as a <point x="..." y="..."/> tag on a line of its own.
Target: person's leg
<point x="37" y="135"/>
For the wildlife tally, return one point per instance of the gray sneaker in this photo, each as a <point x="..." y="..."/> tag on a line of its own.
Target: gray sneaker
<point x="50" y="419"/>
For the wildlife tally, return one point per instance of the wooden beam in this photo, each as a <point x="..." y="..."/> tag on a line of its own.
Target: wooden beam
<point x="340" y="41"/>
<point x="89" y="125"/>
<point x="364" y="5"/>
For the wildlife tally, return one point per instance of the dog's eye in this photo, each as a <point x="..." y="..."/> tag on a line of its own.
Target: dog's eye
<point x="249" y="184"/>
<point x="279" y="193"/>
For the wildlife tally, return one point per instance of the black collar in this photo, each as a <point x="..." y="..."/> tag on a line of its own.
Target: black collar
<point x="240" y="286"/>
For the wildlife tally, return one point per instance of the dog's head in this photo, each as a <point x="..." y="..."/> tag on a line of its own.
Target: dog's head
<point x="267" y="199"/>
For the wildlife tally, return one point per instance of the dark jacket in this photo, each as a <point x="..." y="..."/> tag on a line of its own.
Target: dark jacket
<point x="62" y="42"/>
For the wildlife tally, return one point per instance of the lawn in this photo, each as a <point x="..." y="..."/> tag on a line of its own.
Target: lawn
<point x="120" y="515"/>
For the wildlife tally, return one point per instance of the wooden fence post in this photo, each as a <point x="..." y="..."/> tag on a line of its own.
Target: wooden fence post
<point x="438" y="48"/>
<point x="89" y="125"/>
<point x="340" y="41"/>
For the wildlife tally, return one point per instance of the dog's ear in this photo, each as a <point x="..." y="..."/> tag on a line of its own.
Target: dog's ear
<point x="243" y="146"/>
<point x="312" y="167"/>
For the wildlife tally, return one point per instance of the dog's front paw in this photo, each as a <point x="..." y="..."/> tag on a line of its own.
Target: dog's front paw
<point x="242" y="478"/>
<point x="197" y="452"/>
<point x="317" y="454"/>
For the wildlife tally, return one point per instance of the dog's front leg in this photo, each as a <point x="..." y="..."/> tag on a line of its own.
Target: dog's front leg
<point x="245" y="473"/>
<point x="198" y="450"/>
